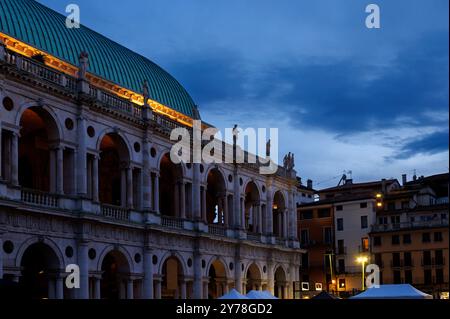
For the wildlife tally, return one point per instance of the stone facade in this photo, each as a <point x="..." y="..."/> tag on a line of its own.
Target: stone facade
<point x="216" y="228"/>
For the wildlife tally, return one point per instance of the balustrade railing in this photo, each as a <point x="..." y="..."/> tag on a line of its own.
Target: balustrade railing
<point x="171" y="222"/>
<point x="39" y="198"/>
<point x="218" y="230"/>
<point x="115" y="212"/>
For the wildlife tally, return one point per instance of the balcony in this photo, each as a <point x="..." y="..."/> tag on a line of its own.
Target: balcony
<point x="39" y="198"/>
<point x="115" y="212"/>
<point x="217" y="230"/>
<point x="409" y="225"/>
<point x="171" y="222"/>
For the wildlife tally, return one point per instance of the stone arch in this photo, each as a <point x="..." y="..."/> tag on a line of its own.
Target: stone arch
<point x="216" y="200"/>
<point x="164" y="153"/>
<point x="252" y="205"/>
<point x="171" y="186"/>
<point x="279" y="214"/>
<point x="40" y="268"/>
<point x="280" y="282"/>
<point x="34" y="240"/>
<point x="172" y="254"/>
<point x="38" y="149"/>
<point x="112" y="248"/>
<point x="115" y="267"/>
<point x="114" y="170"/>
<point x="253" y="276"/>
<point x="173" y="272"/>
<point x="218" y="278"/>
<point x="124" y="143"/>
<point x="44" y="108"/>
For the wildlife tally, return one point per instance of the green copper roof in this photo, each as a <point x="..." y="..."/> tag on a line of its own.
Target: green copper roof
<point x="45" y="29"/>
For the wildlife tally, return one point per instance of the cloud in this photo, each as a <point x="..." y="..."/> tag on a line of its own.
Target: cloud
<point x="427" y="145"/>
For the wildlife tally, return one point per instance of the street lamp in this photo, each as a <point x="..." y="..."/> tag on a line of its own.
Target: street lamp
<point x="362" y="260"/>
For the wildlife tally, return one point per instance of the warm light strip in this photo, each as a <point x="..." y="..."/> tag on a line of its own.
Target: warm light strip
<point x="69" y="69"/>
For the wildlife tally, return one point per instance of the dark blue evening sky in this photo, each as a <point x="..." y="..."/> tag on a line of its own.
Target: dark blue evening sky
<point x="344" y="97"/>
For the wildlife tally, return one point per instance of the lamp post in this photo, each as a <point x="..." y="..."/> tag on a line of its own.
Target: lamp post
<point x="362" y="260"/>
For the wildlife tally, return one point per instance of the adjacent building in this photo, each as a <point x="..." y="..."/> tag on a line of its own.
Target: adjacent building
<point x="410" y="238"/>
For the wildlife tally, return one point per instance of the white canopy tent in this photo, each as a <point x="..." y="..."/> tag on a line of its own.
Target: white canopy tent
<point x="233" y="294"/>
<point x="255" y="294"/>
<point x="403" y="291"/>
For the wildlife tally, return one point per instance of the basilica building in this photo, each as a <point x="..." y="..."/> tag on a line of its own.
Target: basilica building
<point x="86" y="178"/>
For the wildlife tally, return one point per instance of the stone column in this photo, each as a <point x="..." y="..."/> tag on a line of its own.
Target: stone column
<point x="293" y="216"/>
<point x="51" y="288"/>
<point x="205" y="290"/>
<point x="81" y="168"/>
<point x="129" y="173"/>
<point x="130" y="288"/>
<point x="270" y="278"/>
<point x="83" y="292"/>
<point x="238" y="275"/>
<point x="95" y="178"/>
<point x="183" y="200"/>
<point x="176" y="195"/>
<point x="52" y="172"/>
<point x="196" y="200"/>
<point x="158" y="288"/>
<point x="97" y="291"/>
<point x="123" y="187"/>
<point x="156" y="193"/>
<point x="59" y="170"/>
<point x="242" y="212"/>
<point x="204" y="214"/>
<point x="269" y="211"/>
<point x="226" y="213"/>
<point x="198" y="288"/>
<point x="59" y="288"/>
<point x="146" y="176"/>
<point x="15" y="159"/>
<point x="148" y="274"/>
<point x="183" y="289"/>
<point x="285" y="223"/>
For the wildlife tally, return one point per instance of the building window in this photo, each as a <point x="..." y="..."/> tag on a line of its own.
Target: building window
<point x="340" y="224"/>
<point x="382" y="220"/>
<point x="342" y="283"/>
<point x="377" y="241"/>
<point x="426" y="261"/>
<point x="408" y="277"/>
<point x="328" y="236"/>
<point x="364" y="244"/>
<point x="406" y="238"/>
<point x="306" y="214"/>
<point x="439" y="257"/>
<point x="439" y="276"/>
<point x="407" y="259"/>
<point x="341" y="248"/>
<point x="397" y="277"/>
<point x="427" y="277"/>
<point x="391" y="206"/>
<point x="305" y="260"/>
<point x="426" y="237"/>
<point x="363" y="205"/>
<point x="396" y="260"/>
<point x="303" y="195"/>
<point x="304" y="236"/>
<point x="339" y="207"/>
<point x="395" y="221"/>
<point x="438" y="236"/>
<point x="405" y="205"/>
<point x="341" y="266"/>
<point x="364" y="222"/>
<point x="324" y="212"/>
<point x="395" y="240"/>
